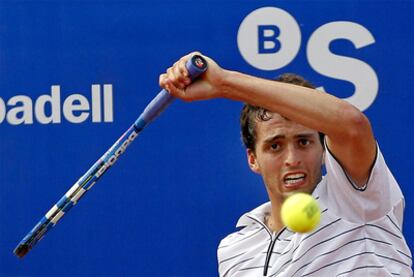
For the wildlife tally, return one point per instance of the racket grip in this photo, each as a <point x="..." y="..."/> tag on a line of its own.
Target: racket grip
<point x="195" y="66"/>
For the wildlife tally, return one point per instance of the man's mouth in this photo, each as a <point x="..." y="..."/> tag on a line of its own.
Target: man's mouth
<point x="294" y="180"/>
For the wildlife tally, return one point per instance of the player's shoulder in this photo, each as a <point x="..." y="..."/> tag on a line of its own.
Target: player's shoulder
<point x="242" y="241"/>
<point x="242" y="233"/>
<point x="251" y="228"/>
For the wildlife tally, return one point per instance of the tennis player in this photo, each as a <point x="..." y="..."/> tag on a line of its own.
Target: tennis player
<point x="360" y="233"/>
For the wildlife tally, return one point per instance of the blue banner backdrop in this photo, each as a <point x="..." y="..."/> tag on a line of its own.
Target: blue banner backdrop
<point x="75" y="74"/>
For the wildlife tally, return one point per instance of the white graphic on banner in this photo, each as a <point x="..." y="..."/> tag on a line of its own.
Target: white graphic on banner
<point x="48" y="108"/>
<point x="353" y="70"/>
<point x="269" y="38"/>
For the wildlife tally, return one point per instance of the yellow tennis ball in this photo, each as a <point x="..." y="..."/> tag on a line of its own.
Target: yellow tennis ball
<point x="300" y="212"/>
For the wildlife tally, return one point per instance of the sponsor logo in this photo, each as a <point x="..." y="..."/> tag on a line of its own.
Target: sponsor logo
<point x="117" y="152"/>
<point x="51" y="109"/>
<point x="269" y="38"/>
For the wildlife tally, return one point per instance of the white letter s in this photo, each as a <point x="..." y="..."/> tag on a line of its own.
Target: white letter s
<point x="339" y="67"/>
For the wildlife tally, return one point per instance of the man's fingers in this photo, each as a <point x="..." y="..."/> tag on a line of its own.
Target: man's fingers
<point x="173" y="89"/>
<point x="179" y="78"/>
<point x="178" y="74"/>
<point x="176" y="78"/>
<point x="183" y="71"/>
<point x="170" y="74"/>
<point x="166" y="83"/>
<point x="162" y="80"/>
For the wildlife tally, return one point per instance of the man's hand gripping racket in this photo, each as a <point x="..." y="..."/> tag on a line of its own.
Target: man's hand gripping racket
<point x="196" y="65"/>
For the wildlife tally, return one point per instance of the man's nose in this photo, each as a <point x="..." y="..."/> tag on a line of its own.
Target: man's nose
<point x="292" y="157"/>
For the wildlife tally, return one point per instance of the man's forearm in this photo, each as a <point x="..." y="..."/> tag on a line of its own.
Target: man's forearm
<point x="312" y="108"/>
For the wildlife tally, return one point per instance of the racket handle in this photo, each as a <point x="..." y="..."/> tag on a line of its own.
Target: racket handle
<point x="195" y="66"/>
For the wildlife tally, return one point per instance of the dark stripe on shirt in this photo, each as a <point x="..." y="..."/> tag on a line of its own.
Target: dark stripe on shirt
<point x="320" y="229"/>
<point x="247" y="237"/>
<point x="408" y="256"/>
<point x="382" y="228"/>
<point x="361" y="267"/>
<point x="253" y="267"/>
<point x="350" y="257"/>
<point x="396" y="226"/>
<point x="329" y="252"/>
<point x="231" y="258"/>
<point x="365" y="238"/>
<point x="392" y="259"/>
<point x="228" y="270"/>
<point x="337" y="262"/>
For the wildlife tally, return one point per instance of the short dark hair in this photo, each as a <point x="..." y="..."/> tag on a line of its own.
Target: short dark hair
<point x="250" y="113"/>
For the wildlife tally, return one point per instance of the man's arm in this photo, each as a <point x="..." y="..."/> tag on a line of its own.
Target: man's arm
<point x="348" y="131"/>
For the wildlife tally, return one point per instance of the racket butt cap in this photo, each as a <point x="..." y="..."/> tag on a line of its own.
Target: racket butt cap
<point x="21" y="250"/>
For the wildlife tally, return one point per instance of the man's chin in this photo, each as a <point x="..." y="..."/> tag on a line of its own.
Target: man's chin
<point x="289" y="192"/>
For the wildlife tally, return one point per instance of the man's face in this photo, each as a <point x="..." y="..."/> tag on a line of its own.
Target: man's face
<point x="288" y="156"/>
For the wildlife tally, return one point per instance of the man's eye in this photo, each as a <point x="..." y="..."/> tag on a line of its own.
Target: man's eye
<point x="304" y="142"/>
<point x="275" y="146"/>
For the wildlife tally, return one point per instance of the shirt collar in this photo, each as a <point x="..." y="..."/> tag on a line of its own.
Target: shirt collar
<point x="258" y="214"/>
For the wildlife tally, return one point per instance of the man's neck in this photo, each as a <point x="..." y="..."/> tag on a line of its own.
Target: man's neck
<point x="273" y="220"/>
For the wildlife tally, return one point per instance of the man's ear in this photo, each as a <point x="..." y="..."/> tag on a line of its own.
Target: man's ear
<point x="252" y="161"/>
